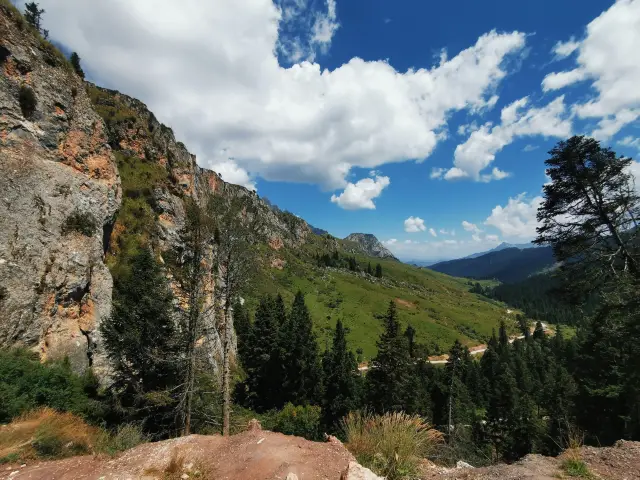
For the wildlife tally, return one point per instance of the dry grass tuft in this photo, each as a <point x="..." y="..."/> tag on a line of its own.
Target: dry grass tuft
<point x="46" y="433"/>
<point x="178" y="468"/>
<point x="392" y="444"/>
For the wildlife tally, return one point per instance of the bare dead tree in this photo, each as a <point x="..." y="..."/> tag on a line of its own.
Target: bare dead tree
<point x="194" y="269"/>
<point x="238" y="228"/>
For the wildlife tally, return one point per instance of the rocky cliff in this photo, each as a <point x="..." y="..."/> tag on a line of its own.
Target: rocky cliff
<point x="87" y="176"/>
<point x="370" y="245"/>
<point x="59" y="188"/>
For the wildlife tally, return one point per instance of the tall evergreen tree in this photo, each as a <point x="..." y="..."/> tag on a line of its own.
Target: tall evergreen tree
<point x="378" y="270"/>
<point x="410" y="333"/>
<point x="590" y="215"/>
<point x="340" y="384"/>
<point x="141" y="342"/>
<point x="75" y="63"/>
<point x="387" y="380"/>
<point x="33" y="15"/>
<point x="264" y="358"/>
<point x="302" y="372"/>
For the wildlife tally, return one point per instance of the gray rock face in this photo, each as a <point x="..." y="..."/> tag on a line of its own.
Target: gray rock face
<point x="59" y="187"/>
<point x="61" y="195"/>
<point x="370" y="245"/>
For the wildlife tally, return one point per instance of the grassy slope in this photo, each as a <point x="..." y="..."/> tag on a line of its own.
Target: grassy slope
<point x="438" y="306"/>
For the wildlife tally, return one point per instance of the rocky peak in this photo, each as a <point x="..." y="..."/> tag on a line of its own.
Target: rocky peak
<point x="370" y="245"/>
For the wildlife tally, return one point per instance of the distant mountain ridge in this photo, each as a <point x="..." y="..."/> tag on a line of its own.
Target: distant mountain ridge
<point x="503" y="246"/>
<point x="508" y="265"/>
<point x="370" y="245"/>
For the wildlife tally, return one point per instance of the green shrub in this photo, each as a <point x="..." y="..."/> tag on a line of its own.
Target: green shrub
<point x="125" y="437"/>
<point x="83" y="223"/>
<point x="11" y="458"/>
<point x="301" y="421"/>
<point x="28" y="101"/>
<point x="574" y="467"/>
<point x="391" y="444"/>
<point x="26" y="384"/>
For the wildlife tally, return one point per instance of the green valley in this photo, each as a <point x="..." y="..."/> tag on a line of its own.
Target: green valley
<point x="440" y="308"/>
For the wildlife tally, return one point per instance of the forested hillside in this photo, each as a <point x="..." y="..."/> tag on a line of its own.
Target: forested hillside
<point x="507" y="265"/>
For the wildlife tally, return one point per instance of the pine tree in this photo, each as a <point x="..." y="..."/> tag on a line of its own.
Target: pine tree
<point x="75" y="63"/>
<point x="387" y="380"/>
<point x="410" y="333"/>
<point x="538" y="333"/>
<point x="559" y="396"/>
<point x="593" y="184"/>
<point x="341" y="372"/>
<point x="302" y="371"/>
<point x="369" y="269"/>
<point x="378" y="271"/>
<point x="502" y="413"/>
<point x="33" y="15"/>
<point x="263" y="362"/>
<point x="141" y="342"/>
<point x="523" y="324"/>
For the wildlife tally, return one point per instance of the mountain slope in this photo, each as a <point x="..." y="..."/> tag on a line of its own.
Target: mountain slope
<point x="370" y="245"/>
<point x="437" y="306"/>
<point x="507" y="265"/>
<point x="91" y="153"/>
<point x="503" y="246"/>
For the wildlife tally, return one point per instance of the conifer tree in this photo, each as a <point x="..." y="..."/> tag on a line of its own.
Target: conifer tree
<point x="141" y="342"/>
<point x="369" y="269"/>
<point x="33" y="15"/>
<point x="340" y="387"/>
<point x="559" y="396"/>
<point x="378" y="270"/>
<point x="501" y="412"/>
<point x="75" y="63"/>
<point x="538" y="333"/>
<point x="263" y="359"/>
<point x="410" y="333"/>
<point x="302" y="371"/>
<point x="388" y="376"/>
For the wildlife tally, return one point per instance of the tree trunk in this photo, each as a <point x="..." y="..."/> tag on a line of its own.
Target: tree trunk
<point x="226" y="371"/>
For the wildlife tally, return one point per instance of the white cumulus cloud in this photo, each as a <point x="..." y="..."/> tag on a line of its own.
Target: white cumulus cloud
<point x="437" y="172"/>
<point x="360" y="195"/>
<point x="210" y="70"/>
<point x="630" y="141"/>
<point x="479" y="151"/>
<point x="609" y="57"/>
<point x="232" y="173"/>
<point x="470" y="227"/>
<point x="414" y="225"/>
<point x="564" y="49"/>
<point x="517" y="219"/>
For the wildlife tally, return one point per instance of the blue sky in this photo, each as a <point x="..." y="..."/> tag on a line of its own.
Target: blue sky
<point x="408" y="119"/>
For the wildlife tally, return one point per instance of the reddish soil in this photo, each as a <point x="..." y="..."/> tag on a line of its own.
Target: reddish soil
<point x="251" y="455"/>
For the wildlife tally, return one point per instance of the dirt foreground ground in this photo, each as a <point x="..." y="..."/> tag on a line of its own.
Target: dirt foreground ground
<point x="250" y="455"/>
<point x="263" y="455"/>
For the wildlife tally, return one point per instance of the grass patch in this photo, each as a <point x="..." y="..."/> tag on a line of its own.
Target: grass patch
<point x="135" y="223"/>
<point x="111" y="111"/>
<point x="391" y="444"/>
<point x="81" y="222"/>
<point x="48" y="434"/>
<point x="575" y="467"/>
